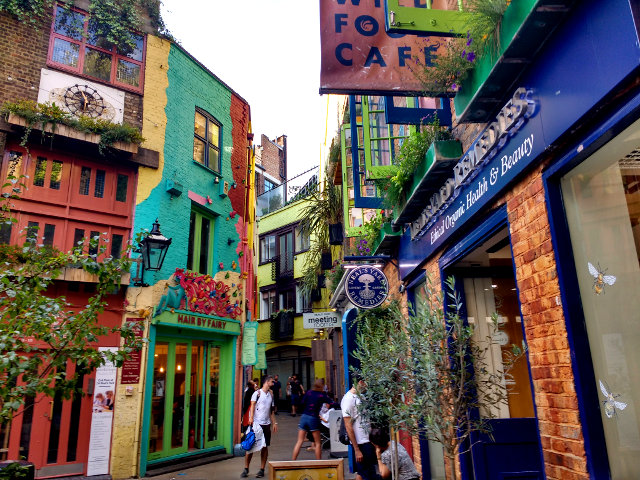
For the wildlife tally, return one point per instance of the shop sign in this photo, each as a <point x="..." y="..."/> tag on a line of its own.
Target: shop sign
<point x="250" y="343"/>
<point x="202" y="322"/>
<point x="131" y="367"/>
<point x="261" y="364"/>
<point x="359" y="55"/>
<point x="366" y="287"/>
<point x="487" y="146"/>
<point x="320" y="320"/>
<point x="499" y="154"/>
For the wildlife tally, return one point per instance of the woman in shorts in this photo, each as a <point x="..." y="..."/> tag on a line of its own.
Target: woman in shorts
<point x="310" y="420"/>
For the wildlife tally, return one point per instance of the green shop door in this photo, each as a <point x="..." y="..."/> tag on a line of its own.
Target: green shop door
<point x="184" y="403"/>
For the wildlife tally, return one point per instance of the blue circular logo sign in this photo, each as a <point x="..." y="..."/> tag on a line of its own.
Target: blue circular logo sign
<point x="366" y="287"/>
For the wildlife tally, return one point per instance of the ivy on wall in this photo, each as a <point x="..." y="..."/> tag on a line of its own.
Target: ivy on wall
<point x="111" y="20"/>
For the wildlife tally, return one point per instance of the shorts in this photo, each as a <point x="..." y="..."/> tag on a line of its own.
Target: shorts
<point x="266" y="430"/>
<point x="309" y="423"/>
<point x="295" y="400"/>
<point x="367" y="468"/>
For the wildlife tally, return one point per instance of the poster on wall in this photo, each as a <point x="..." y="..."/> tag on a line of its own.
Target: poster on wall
<point x="102" y="417"/>
<point x="250" y="343"/>
<point x="261" y="364"/>
<point x="359" y="56"/>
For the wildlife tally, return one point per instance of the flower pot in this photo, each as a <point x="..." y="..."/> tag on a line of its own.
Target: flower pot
<point x="326" y="261"/>
<point x="336" y="235"/>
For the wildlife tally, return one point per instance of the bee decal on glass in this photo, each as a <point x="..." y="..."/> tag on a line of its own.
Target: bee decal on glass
<point x="600" y="278"/>
<point x="610" y="404"/>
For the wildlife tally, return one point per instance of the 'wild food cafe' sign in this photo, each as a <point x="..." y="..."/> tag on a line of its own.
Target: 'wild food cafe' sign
<point x="502" y="151"/>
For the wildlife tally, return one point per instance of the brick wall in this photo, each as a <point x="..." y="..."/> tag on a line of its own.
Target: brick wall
<point x="545" y="330"/>
<point x="272" y="158"/>
<point x="239" y="155"/>
<point x="24" y="53"/>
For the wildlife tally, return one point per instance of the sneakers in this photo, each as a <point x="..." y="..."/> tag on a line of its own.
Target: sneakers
<point x="260" y="473"/>
<point x="245" y="473"/>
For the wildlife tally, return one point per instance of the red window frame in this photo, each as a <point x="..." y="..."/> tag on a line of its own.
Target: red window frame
<point x="83" y="45"/>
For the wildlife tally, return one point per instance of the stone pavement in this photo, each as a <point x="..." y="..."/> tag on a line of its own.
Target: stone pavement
<point x="281" y="448"/>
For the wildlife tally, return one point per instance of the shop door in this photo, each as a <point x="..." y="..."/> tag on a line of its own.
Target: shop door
<point x="184" y="405"/>
<point x="511" y="450"/>
<point x="48" y="432"/>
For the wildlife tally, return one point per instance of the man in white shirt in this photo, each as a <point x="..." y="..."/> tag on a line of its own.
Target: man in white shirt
<point x="358" y="433"/>
<point x="261" y="413"/>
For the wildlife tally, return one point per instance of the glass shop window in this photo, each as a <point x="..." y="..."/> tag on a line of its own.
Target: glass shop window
<point x="602" y="204"/>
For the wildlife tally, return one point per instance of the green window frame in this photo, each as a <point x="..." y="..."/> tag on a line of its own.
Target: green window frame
<point x="382" y="141"/>
<point x="201" y="236"/>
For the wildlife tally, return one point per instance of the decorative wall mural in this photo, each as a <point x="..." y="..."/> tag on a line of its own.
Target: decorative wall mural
<point x="600" y="278"/>
<point x="201" y="294"/>
<point x="610" y="404"/>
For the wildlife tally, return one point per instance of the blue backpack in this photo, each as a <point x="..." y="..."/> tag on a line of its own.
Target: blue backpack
<point x="248" y="439"/>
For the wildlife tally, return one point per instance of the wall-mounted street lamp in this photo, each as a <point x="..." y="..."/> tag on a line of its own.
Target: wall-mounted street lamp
<point x="153" y="249"/>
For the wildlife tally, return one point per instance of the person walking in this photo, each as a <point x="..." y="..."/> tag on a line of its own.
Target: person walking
<point x="310" y="420"/>
<point x="385" y="453"/>
<point x="288" y="392"/>
<point x="364" y="451"/>
<point x="261" y="413"/>
<point x="297" y="390"/>
<point x="277" y="386"/>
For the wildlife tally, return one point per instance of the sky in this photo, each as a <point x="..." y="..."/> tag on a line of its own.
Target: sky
<point x="268" y="52"/>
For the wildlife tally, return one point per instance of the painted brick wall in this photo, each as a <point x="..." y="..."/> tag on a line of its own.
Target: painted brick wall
<point x="24" y="53"/>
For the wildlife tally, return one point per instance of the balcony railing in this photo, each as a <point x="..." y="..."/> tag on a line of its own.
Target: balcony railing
<point x="282" y="267"/>
<point x="288" y="192"/>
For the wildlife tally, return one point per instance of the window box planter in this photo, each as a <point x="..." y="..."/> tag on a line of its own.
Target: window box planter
<point x="66" y="131"/>
<point x="526" y="27"/>
<point x="429" y="176"/>
<point x="336" y="234"/>
<point x="387" y="240"/>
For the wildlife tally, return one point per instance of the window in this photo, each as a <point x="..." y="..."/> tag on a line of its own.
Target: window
<point x="206" y="141"/>
<point x="303" y="302"/>
<point x="200" y="253"/>
<point x="269" y="185"/>
<point x="601" y="197"/>
<point x="302" y="240"/>
<point x="76" y="47"/>
<point x="267" y="248"/>
<point x="268" y="305"/>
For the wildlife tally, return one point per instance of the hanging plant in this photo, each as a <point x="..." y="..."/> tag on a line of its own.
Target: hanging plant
<point x="445" y="74"/>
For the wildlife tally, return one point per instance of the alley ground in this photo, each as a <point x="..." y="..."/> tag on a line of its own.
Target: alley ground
<point x="281" y="447"/>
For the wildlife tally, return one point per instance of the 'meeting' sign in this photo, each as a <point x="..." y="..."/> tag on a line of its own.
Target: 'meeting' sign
<point x="320" y="320"/>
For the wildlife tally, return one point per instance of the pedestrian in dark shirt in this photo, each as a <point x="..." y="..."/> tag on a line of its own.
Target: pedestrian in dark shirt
<point x="276" y="392"/>
<point x="310" y="420"/>
<point x="296" y="393"/>
<point x="246" y="403"/>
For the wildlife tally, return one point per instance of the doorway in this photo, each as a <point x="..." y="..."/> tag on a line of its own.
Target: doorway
<point x="185" y="397"/>
<point x="486" y="281"/>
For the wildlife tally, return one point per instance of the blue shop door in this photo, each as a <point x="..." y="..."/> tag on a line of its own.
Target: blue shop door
<point x="512" y="449"/>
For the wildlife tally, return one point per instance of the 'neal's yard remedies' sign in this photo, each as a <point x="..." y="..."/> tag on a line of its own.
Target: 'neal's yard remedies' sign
<point x="489" y="144"/>
<point x="320" y="320"/>
<point x="366" y="287"/>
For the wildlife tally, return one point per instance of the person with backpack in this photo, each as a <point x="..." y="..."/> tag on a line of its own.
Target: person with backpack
<point x="261" y="413"/>
<point x="357" y="431"/>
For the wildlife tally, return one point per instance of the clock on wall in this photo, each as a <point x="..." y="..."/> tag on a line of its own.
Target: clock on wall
<point x="84" y="100"/>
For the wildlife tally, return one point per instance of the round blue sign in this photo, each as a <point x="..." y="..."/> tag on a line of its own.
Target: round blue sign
<point x="366" y="287"/>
